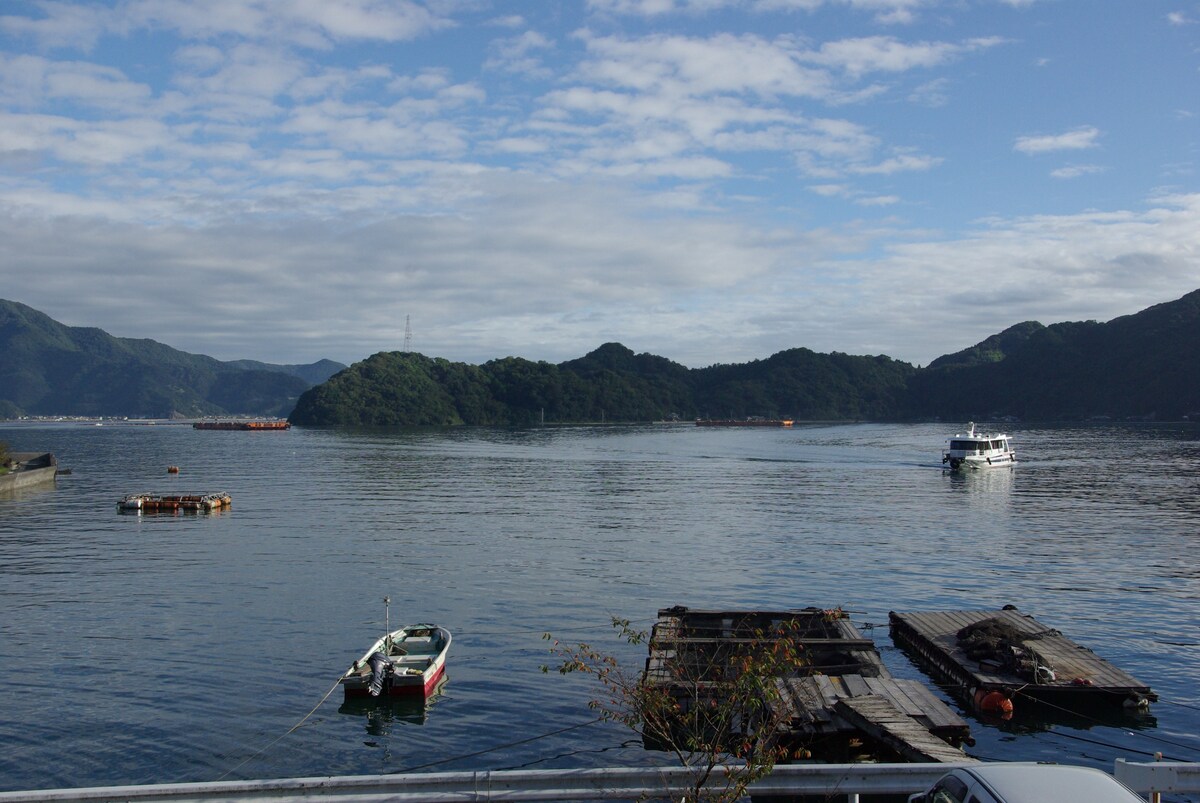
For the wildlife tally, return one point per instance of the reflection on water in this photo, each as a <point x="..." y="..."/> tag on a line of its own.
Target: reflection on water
<point x="28" y="491"/>
<point x="175" y="648"/>
<point x="1031" y="716"/>
<point x="984" y="480"/>
<point x="382" y="713"/>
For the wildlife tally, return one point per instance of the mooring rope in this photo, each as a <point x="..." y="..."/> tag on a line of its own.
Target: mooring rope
<point x="292" y="729"/>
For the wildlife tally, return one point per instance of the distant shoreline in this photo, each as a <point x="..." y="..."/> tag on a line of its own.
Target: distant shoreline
<point x="120" y="421"/>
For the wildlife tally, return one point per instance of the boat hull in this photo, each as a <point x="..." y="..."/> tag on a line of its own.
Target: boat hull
<point x="408" y="686"/>
<point x="975" y="463"/>
<point x="416" y="664"/>
<point x="251" y="426"/>
<point x="159" y="503"/>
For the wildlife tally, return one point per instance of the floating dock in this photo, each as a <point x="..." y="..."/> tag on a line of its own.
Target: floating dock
<point x="902" y="719"/>
<point x="254" y="426"/>
<point x="839" y="703"/>
<point x="1005" y="651"/>
<point x="159" y="503"/>
<point x="744" y="422"/>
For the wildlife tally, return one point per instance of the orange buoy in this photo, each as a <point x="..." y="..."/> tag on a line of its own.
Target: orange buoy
<point x="994" y="702"/>
<point x="172" y="469"/>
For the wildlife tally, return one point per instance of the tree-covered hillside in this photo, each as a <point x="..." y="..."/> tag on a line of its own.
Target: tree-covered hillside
<point x="611" y="384"/>
<point x="1143" y="366"/>
<point x="47" y="368"/>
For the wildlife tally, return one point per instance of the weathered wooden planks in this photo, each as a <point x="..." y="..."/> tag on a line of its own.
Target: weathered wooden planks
<point x="840" y="666"/>
<point x="876" y="716"/>
<point x="813" y="704"/>
<point x="1081" y="679"/>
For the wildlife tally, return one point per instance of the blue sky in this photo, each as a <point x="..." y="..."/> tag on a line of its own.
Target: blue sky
<point x="706" y="180"/>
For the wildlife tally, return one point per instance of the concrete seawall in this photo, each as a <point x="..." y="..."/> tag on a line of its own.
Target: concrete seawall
<point x="32" y="468"/>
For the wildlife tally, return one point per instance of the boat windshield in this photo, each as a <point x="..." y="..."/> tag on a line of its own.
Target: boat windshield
<point x="977" y="446"/>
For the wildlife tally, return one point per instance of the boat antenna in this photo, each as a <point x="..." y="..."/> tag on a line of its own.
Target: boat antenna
<point x="387" y="624"/>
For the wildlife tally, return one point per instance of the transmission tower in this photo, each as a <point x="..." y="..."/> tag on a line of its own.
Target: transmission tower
<point x="407" y="334"/>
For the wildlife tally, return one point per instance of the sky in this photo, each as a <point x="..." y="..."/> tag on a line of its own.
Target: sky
<point x="711" y="181"/>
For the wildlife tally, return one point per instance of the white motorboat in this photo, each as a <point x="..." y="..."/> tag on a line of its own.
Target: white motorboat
<point x="406" y="662"/>
<point x="978" y="450"/>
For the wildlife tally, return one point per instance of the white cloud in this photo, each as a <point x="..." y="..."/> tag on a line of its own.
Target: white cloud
<point x="904" y="162"/>
<point x="932" y="94"/>
<point x="519" y="187"/>
<point x="666" y="96"/>
<point x="888" y="54"/>
<point x="307" y="23"/>
<point x="886" y="12"/>
<point x="26" y="81"/>
<point x="60" y="24"/>
<point x="520" y="54"/>
<point x="310" y="23"/>
<point x="1075" y="171"/>
<point x="677" y="65"/>
<point x="1077" y="139"/>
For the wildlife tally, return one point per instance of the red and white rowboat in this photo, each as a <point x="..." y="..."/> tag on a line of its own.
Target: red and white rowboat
<point x="406" y="662"/>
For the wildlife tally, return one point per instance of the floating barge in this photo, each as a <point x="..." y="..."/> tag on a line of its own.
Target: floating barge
<point x="158" y="503"/>
<point x="744" y="422"/>
<point x="978" y="653"/>
<point x="838" y="704"/>
<point x="254" y="426"/>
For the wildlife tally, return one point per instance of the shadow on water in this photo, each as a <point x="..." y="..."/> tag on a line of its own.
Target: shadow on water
<point x="1033" y="717"/>
<point x="1036" y="716"/>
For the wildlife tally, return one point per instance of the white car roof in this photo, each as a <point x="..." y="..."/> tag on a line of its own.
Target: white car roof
<point x="1063" y="783"/>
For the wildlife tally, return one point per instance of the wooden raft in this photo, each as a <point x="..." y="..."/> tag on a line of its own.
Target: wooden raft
<point x="900" y="715"/>
<point x="683" y="636"/>
<point x="1081" y="679"/>
<point x="841" y="704"/>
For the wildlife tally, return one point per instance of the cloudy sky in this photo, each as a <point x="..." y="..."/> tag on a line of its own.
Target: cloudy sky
<point x="706" y="180"/>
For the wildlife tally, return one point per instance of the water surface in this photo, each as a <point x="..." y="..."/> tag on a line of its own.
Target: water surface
<point x="138" y="649"/>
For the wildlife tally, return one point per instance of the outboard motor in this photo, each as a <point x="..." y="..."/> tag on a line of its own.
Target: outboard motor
<point x="381" y="667"/>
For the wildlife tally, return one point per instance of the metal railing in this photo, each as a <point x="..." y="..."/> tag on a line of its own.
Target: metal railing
<point x="844" y="781"/>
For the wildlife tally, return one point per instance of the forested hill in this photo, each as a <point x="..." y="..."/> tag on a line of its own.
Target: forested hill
<point x="1143" y="366"/>
<point x="47" y="368"/>
<point x="609" y="384"/>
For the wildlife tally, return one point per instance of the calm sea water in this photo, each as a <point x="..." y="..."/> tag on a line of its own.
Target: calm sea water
<point x="138" y="649"/>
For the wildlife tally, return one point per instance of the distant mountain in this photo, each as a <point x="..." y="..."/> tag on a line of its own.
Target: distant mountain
<point x="47" y="368"/>
<point x="313" y="373"/>
<point x="1144" y="366"/>
<point x="994" y="349"/>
